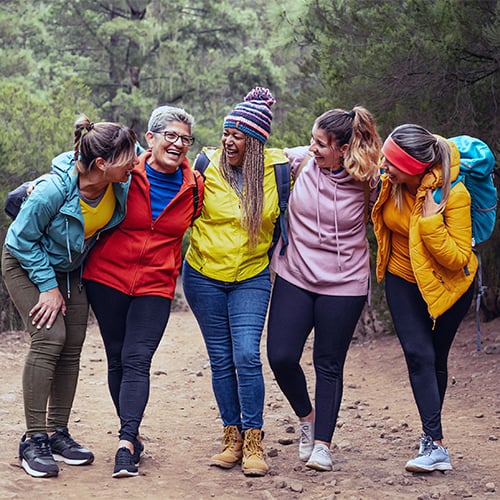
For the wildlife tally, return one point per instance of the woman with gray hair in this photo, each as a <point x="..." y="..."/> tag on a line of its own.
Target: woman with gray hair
<point x="132" y="272"/>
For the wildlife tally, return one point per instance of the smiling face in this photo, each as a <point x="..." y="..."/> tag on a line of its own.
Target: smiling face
<point x="397" y="176"/>
<point x="167" y="155"/>
<point x="326" y="153"/>
<point x="233" y="143"/>
<point x="118" y="170"/>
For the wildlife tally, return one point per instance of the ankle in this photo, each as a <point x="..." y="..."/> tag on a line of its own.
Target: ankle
<point x="322" y="443"/>
<point x="123" y="443"/>
<point x="308" y="418"/>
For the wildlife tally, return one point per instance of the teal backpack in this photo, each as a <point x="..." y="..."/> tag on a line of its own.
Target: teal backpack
<point x="477" y="164"/>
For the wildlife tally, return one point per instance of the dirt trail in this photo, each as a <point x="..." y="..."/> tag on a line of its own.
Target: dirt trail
<point x="377" y="431"/>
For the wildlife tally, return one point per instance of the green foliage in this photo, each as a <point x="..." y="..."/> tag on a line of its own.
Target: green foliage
<point x="36" y="129"/>
<point x="433" y="62"/>
<point x="424" y="61"/>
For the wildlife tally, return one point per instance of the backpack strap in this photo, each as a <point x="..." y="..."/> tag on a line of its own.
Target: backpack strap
<point x="201" y="163"/>
<point x="481" y="290"/>
<point x="283" y="184"/>
<point x="196" y="196"/>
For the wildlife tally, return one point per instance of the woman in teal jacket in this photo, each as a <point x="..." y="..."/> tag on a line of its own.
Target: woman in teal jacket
<point x="41" y="264"/>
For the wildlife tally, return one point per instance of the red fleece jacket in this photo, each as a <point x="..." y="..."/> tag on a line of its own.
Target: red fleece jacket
<point x="141" y="256"/>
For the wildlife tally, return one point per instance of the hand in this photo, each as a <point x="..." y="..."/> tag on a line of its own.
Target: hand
<point x="45" y="311"/>
<point x="429" y="207"/>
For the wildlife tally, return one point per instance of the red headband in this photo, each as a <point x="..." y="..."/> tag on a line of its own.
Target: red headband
<point x="401" y="159"/>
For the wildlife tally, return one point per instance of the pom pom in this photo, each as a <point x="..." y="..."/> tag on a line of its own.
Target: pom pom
<point x="260" y="94"/>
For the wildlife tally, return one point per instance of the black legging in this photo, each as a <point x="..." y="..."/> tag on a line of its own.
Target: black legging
<point x="426" y="350"/>
<point x="131" y="328"/>
<point x="294" y="312"/>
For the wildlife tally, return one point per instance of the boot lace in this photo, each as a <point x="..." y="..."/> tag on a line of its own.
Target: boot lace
<point x="230" y="436"/>
<point x="253" y="444"/>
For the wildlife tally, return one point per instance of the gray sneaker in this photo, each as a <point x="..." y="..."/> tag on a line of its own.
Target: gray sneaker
<point x="306" y="443"/>
<point x="430" y="457"/>
<point x="321" y="458"/>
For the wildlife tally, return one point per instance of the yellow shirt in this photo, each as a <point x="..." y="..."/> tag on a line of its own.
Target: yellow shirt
<point x="95" y="218"/>
<point x="398" y="222"/>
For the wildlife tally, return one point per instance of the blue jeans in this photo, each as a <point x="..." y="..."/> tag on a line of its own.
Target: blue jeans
<point x="131" y="328"/>
<point x="231" y="317"/>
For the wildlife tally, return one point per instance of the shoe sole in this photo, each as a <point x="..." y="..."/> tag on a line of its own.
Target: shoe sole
<point x="254" y="472"/>
<point x="443" y="466"/>
<point x="124" y="473"/>
<point x="141" y="455"/>
<point x="72" y="461"/>
<point x="224" y="465"/>
<point x="318" y="467"/>
<point x="36" y="473"/>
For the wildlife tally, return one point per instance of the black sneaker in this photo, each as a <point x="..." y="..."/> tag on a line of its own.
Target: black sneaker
<point x="138" y="451"/>
<point x="124" y="464"/>
<point x="35" y="456"/>
<point x="66" y="449"/>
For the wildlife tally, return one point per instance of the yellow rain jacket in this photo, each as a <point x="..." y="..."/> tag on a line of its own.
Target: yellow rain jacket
<point x="219" y="246"/>
<point x="441" y="253"/>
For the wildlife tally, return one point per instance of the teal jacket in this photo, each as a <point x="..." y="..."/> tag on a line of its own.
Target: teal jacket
<point x="47" y="235"/>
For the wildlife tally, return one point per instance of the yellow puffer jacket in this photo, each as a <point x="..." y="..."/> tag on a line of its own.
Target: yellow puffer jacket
<point x="441" y="253"/>
<point x="219" y="246"/>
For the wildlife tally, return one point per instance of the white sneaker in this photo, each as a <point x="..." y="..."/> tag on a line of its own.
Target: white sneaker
<point x="321" y="458"/>
<point x="306" y="442"/>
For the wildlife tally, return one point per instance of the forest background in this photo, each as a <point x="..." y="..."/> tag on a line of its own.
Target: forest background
<point x="431" y="62"/>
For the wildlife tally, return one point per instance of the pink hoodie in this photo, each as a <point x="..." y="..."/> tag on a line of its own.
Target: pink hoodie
<point x="327" y="251"/>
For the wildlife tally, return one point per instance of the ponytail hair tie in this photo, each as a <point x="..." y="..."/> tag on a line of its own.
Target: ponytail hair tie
<point x="352" y="113"/>
<point x="90" y="126"/>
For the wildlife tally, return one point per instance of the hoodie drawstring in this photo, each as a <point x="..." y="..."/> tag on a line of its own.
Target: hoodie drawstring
<point x="335" y="218"/>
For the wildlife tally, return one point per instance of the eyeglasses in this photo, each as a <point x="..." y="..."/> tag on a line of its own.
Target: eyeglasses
<point x="169" y="136"/>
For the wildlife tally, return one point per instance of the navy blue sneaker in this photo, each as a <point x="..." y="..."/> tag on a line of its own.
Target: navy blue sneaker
<point x="36" y="457"/>
<point x="66" y="449"/>
<point x="124" y="464"/>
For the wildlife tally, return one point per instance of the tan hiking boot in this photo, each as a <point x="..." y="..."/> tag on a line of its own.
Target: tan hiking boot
<point x="231" y="453"/>
<point x="253" y="463"/>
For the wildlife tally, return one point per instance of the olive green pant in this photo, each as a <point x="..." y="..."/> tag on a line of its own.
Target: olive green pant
<point x="52" y="364"/>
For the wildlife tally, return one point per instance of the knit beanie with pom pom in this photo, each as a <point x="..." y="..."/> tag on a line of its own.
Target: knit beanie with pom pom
<point x="253" y="116"/>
